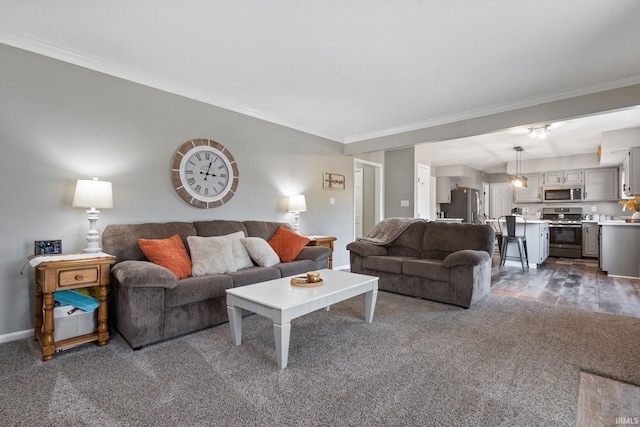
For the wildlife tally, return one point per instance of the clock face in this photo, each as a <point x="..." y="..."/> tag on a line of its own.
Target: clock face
<point x="204" y="173"/>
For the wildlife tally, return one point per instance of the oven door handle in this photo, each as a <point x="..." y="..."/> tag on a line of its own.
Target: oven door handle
<point x="565" y="226"/>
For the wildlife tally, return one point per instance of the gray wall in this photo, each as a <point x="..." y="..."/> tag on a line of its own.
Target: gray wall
<point x="399" y="176"/>
<point x="60" y="123"/>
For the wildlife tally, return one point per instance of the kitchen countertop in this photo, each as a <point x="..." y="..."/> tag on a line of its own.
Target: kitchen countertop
<point x="619" y="222"/>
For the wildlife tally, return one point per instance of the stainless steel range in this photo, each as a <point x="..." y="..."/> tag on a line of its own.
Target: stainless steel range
<point x="565" y="231"/>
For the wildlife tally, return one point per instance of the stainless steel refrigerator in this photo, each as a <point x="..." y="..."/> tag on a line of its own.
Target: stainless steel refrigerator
<point x="464" y="204"/>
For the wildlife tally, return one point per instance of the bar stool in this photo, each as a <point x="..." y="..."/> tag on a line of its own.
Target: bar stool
<point x="498" y="232"/>
<point x="509" y="235"/>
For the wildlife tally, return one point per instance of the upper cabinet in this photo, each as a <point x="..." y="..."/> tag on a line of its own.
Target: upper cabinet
<point x="601" y="184"/>
<point x="630" y="173"/>
<point x="443" y="189"/>
<point x="564" y="178"/>
<point x="532" y="193"/>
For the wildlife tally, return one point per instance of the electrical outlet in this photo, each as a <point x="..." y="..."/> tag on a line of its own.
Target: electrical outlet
<point x="404" y="203"/>
<point x="332" y="200"/>
<point x="593" y="208"/>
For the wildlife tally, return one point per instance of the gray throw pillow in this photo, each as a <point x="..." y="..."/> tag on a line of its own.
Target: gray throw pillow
<point x="260" y="251"/>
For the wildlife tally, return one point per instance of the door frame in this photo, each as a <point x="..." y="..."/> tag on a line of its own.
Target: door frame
<point x="379" y="190"/>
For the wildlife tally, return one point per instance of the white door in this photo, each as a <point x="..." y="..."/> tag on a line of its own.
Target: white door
<point x="358" y="196"/>
<point x="422" y="192"/>
<point x="501" y="197"/>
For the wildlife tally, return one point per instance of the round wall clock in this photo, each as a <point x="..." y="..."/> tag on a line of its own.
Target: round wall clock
<point x="204" y="173"/>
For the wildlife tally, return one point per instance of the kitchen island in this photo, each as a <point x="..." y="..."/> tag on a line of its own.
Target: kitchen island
<point x="537" y="233"/>
<point x="620" y="248"/>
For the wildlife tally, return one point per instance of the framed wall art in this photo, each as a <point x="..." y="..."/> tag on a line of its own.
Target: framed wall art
<point x="333" y="181"/>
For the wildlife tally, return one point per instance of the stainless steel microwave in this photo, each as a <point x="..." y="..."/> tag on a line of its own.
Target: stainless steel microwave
<point x="562" y="194"/>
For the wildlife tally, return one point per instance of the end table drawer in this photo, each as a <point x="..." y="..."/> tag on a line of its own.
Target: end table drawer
<point x="75" y="277"/>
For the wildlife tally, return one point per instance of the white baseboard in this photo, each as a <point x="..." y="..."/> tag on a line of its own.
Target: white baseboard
<point x="15" y="336"/>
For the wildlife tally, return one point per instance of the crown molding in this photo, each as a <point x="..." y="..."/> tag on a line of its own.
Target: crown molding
<point x="499" y="108"/>
<point x="51" y="51"/>
<point x="55" y="52"/>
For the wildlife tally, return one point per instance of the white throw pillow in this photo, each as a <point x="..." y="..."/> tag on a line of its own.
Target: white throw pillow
<point x="240" y="255"/>
<point x="211" y="255"/>
<point x="260" y="251"/>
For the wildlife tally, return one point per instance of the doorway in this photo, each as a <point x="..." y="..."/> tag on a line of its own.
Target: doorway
<point x="422" y="193"/>
<point x="368" y="196"/>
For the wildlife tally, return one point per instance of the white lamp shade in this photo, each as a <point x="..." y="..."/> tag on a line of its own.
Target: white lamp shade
<point x="297" y="203"/>
<point x="91" y="193"/>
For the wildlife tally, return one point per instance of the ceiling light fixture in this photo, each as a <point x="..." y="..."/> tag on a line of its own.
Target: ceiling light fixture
<point x="540" y="132"/>
<point x="518" y="180"/>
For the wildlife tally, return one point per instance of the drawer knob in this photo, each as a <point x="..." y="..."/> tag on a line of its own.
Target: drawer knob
<point x="79" y="277"/>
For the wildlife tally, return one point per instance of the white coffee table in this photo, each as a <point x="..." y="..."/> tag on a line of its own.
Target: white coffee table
<point x="281" y="302"/>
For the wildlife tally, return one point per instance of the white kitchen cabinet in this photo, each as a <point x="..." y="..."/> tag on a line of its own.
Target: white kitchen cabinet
<point x="590" y="245"/>
<point x="543" y="244"/>
<point x="532" y="193"/>
<point x="601" y="184"/>
<point x="553" y="178"/>
<point x="572" y="177"/>
<point x="631" y="173"/>
<point x="443" y="189"/>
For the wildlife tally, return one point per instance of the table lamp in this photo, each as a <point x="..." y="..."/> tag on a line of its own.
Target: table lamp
<point x="297" y="204"/>
<point x="92" y="194"/>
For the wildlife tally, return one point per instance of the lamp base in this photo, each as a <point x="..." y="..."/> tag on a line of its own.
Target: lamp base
<point x="93" y="237"/>
<point x="296" y="226"/>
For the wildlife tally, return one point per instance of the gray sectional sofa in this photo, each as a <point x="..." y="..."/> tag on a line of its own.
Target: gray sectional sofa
<point x="149" y="304"/>
<point x="439" y="261"/>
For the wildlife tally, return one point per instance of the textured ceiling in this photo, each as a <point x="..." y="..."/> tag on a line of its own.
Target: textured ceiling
<point x="345" y="70"/>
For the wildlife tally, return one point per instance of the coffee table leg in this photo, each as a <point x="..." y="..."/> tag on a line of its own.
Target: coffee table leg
<point x="370" y="305"/>
<point x="235" y="322"/>
<point x="282" y="334"/>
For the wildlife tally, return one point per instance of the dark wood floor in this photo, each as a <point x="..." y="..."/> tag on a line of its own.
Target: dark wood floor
<point x="574" y="282"/>
<point x="580" y="283"/>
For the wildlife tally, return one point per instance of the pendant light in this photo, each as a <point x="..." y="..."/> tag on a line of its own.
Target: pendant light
<point x="518" y="180"/>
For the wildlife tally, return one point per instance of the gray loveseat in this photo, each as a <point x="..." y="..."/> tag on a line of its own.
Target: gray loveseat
<point x="439" y="261"/>
<point x="149" y="304"/>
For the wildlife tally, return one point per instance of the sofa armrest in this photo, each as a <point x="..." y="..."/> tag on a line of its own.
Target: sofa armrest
<point x="314" y="253"/>
<point x="465" y="257"/>
<point x="365" y="249"/>
<point x="143" y="274"/>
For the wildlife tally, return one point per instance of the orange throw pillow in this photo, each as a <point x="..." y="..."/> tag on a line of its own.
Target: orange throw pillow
<point x="169" y="253"/>
<point x="287" y="244"/>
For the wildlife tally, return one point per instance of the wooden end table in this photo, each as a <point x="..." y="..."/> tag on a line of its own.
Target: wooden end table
<point x="55" y="276"/>
<point x="326" y="241"/>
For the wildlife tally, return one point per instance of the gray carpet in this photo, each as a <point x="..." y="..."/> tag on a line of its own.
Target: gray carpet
<point x="503" y="362"/>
